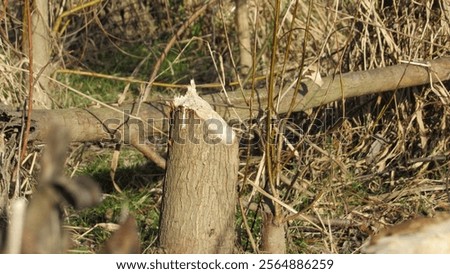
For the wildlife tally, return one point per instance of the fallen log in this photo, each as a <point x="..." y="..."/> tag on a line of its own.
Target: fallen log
<point x="102" y="124"/>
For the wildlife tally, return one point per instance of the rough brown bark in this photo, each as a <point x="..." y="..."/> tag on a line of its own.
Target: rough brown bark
<point x="89" y="124"/>
<point x="198" y="211"/>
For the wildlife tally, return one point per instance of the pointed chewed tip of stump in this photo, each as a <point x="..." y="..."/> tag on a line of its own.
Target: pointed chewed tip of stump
<point x="215" y="124"/>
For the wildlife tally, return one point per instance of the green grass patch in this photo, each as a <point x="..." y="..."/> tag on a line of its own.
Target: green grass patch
<point x="139" y="197"/>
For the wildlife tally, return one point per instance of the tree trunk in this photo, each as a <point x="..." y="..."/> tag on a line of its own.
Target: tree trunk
<point x="273" y="234"/>
<point x="199" y="197"/>
<point x="243" y="32"/>
<point x="41" y="51"/>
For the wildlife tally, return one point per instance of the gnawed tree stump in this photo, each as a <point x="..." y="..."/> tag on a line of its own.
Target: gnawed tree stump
<point x="199" y="198"/>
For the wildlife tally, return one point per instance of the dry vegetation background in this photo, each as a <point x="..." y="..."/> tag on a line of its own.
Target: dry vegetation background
<point x="350" y="168"/>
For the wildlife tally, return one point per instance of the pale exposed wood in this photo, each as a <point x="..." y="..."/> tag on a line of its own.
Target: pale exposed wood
<point x="17" y="216"/>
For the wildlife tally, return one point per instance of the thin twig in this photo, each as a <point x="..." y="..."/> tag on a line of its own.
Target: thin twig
<point x="247" y="228"/>
<point x="30" y="80"/>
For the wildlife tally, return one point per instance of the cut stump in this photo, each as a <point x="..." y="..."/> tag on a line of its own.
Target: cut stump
<point x="199" y="197"/>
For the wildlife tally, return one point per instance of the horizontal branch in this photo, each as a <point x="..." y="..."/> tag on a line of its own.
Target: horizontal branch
<point x="95" y="124"/>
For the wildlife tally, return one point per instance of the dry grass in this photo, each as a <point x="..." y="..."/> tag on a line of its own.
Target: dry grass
<point x="12" y="92"/>
<point x="349" y="168"/>
<point x="365" y="163"/>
